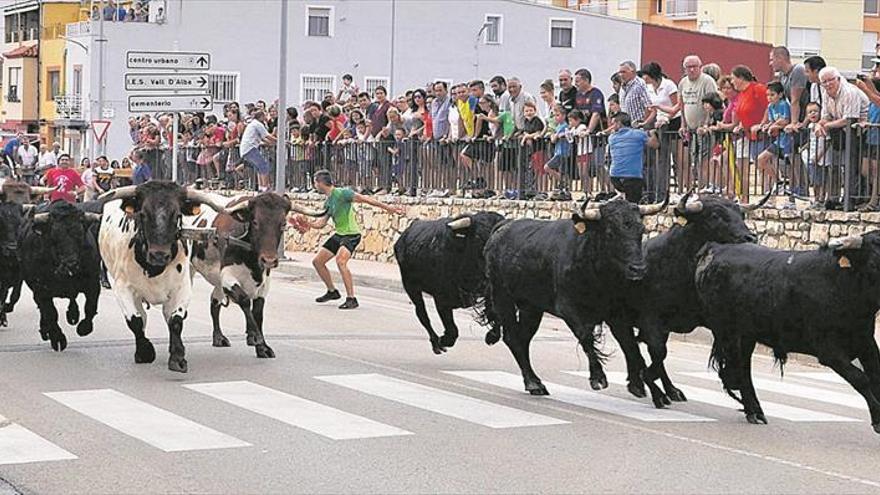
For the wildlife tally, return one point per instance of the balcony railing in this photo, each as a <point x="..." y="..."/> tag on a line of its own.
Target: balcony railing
<point x="595" y="7"/>
<point x="681" y="9"/>
<point x="69" y="107"/>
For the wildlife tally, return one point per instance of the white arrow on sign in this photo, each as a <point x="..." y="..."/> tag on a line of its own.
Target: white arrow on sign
<point x="168" y="60"/>
<point x="166" y="82"/>
<point x="170" y="103"/>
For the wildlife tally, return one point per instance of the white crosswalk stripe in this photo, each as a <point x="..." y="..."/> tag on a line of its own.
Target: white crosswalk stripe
<point x="145" y="422"/>
<point x="18" y="445"/>
<point x="441" y="401"/>
<point x="827" y="377"/>
<point x="584" y="398"/>
<point x="852" y="400"/>
<point x="296" y="411"/>
<point x="719" y="398"/>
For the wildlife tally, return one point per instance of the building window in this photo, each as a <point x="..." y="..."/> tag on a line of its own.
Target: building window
<point x="872" y="7"/>
<point x="681" y="8"/>
<point x="14" y="80"/>
<point x="319" y="21"/>
<point x="493" y="29"/>
<point x="624" y="4"/>
<point x="223" y="86"/>
<point x="371" y="83"/>
<point x="804" y="42"/>
<point x="562" y="33"/>
<point x="77" y="80"/>
<point x="739" y="32"/>
<point x="313" y="87"/>
<point x="869" y="51"/>
<point x="53" y="84"/>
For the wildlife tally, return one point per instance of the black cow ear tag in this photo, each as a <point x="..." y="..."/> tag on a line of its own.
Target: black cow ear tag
<point x="681" y="220"/>
<point x="580" y="227"/>
<point x="844" y="262"/>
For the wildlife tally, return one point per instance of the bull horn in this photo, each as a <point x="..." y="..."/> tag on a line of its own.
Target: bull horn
<point x="592" y="214"/>
<point x="41" y="218"/>
<point x="242" y="205"/>
<point x="39" y="191"/>
<point x="654" y="208"/>
<point x="118" y="193"/>
<point x="686" y="206"/>
<point x="851" y="242"/>
<point x="95" y="217"/>
<point x="303" y="210"/>
<point x="461" y="223"/>
<point x="620" y="195"/>
<point x="203" y="198"/>
<point x="760" y="203"/>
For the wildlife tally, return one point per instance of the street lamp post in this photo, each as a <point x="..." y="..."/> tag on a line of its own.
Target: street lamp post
<point x="477" y="49"/>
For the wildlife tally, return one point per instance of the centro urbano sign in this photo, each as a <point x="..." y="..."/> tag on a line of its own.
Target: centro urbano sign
<point x="168" y="60"/>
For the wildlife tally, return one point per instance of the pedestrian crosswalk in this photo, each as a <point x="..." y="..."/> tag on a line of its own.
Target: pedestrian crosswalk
<point x="490" y="399"/>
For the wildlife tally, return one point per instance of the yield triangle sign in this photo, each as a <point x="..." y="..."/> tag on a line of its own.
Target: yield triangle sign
<point x="99" y="127"/>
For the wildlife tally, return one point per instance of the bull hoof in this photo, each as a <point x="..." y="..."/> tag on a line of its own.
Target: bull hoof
<point x="59" y="342"/>
<point x="493" y="336"/>
<point x="676" y="395"/>
<point x="72" y="314"/>
<point x="44" y="334"/>
<point x="599" y="382"/>
<point x="756" y="418"/>
<point x="637" y="389"/>
<point x="3" y="322"/>
<point x="447" y="340"/>
<point x="538" y="390"/>
<point x="264" y="351"/>
<point x="220" y="340"/>
<point x="84" y="328"/>
<point x="877" y="428"/>
<point x="145" y="353"/>
<point x="177" y="364"/>
<point x="251" y="341"/>
<point x="660" y="401"/>
<point x="10" y="307"/>
<point x="436" y="347"/>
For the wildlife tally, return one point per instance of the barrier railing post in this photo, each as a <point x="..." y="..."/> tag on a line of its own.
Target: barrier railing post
<point x="847" y="171"/>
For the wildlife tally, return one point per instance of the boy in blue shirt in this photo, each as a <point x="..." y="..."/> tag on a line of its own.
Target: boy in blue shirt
<point x="777" y="117"/>
<point x="627" y="147"/>
<point x="561" y="151"/>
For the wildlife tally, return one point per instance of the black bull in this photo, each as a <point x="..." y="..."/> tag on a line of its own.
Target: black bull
<point x="574" y="269"/>
<point x="444" y="258"/>
<point x="60" y="259"/>
<point x="821" y="303"/>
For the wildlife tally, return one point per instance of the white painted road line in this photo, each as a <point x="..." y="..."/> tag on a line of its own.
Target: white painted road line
<point x="719" y="398"/>
<point x="584" y="398"/>
<point x="296" y="411"/>
<point x="18" y="445"/>
<point x="145" y="422"/>
<point x="441" y="401"/>
<point x="828" y="377"/>
<point x="853" y="400"/>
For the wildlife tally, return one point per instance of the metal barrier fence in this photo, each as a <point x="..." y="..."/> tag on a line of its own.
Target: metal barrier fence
<point x="837" y="170"/>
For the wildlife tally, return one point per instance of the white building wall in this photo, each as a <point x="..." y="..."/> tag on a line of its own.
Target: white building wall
<point x="432" y="39"/>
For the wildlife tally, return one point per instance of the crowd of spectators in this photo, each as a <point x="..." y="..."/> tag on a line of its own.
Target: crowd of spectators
<point x="724" y="133"/>
<point x="133" y="11"/>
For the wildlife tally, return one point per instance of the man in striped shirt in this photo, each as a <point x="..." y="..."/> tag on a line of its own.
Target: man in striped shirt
<point x="634" y="99"/>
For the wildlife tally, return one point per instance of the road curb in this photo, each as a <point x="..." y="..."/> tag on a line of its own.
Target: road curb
<point x="307" y="272"/>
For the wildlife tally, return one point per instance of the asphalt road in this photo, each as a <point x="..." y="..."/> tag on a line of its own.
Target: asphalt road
<point x="356" y="402"/>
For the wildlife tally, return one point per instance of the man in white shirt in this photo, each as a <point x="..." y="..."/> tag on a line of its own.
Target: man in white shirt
<point x="255" y="135"/>
<point x="26" y="157"/>
<point x="48" y="159"/>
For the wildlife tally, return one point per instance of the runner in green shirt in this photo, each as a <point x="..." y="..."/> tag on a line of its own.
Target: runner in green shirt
<point x="346" y="238"/>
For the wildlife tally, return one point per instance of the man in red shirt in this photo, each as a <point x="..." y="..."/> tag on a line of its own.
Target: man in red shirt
<point x="66" y="180"/>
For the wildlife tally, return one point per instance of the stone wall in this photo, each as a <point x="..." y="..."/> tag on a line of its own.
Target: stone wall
<point x="783" y="229"/>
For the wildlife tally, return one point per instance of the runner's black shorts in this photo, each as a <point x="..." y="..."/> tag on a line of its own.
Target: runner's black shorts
<point x="337" y="241"/>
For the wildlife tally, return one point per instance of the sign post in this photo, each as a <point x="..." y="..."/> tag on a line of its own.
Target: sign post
<point x="171" y="91"/>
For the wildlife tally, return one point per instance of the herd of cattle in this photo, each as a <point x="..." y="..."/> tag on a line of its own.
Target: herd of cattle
<point x="594" y="268"/>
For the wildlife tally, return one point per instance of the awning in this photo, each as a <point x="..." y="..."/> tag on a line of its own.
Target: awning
<point x="24" y="51"/>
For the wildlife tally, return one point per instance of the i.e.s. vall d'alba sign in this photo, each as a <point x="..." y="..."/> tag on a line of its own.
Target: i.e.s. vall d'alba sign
<point x="156" y="81"/>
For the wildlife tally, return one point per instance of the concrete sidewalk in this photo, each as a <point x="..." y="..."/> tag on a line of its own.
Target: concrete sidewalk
<point x="374" y="274"/>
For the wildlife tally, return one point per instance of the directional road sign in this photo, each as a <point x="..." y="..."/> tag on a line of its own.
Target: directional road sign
<point x="168" y="60"/>
<point x="155" y="81"/>
<point x="170" y="103"/>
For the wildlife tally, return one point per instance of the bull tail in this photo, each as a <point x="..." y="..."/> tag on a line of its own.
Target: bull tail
<point x="486" y="315"/>
<point x="719" y="360"/>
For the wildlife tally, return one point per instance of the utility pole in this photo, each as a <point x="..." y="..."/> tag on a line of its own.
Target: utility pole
<point x="101" y="42"/>
<point x="281" y="128"/>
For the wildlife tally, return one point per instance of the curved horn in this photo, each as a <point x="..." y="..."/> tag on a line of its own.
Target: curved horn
<point x="203" y="198"/>
<point x="41" y="218"/>
<point x="686" y="206"/>
<point x="94" y="217"/>
<point x="593" y="214"/>
<point x="583" y="207"/>
<point x="654" y="208"/>
<point x="620" y="195"/>
<point x="461" y="223"/>
<point x="303" y="210"/>
<point x="851" y="242"/>
<point x="118" y="193"/>
<point x="760" y="203"/>
<point x="39" y="191"/>
<point x="243" y="205"/>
